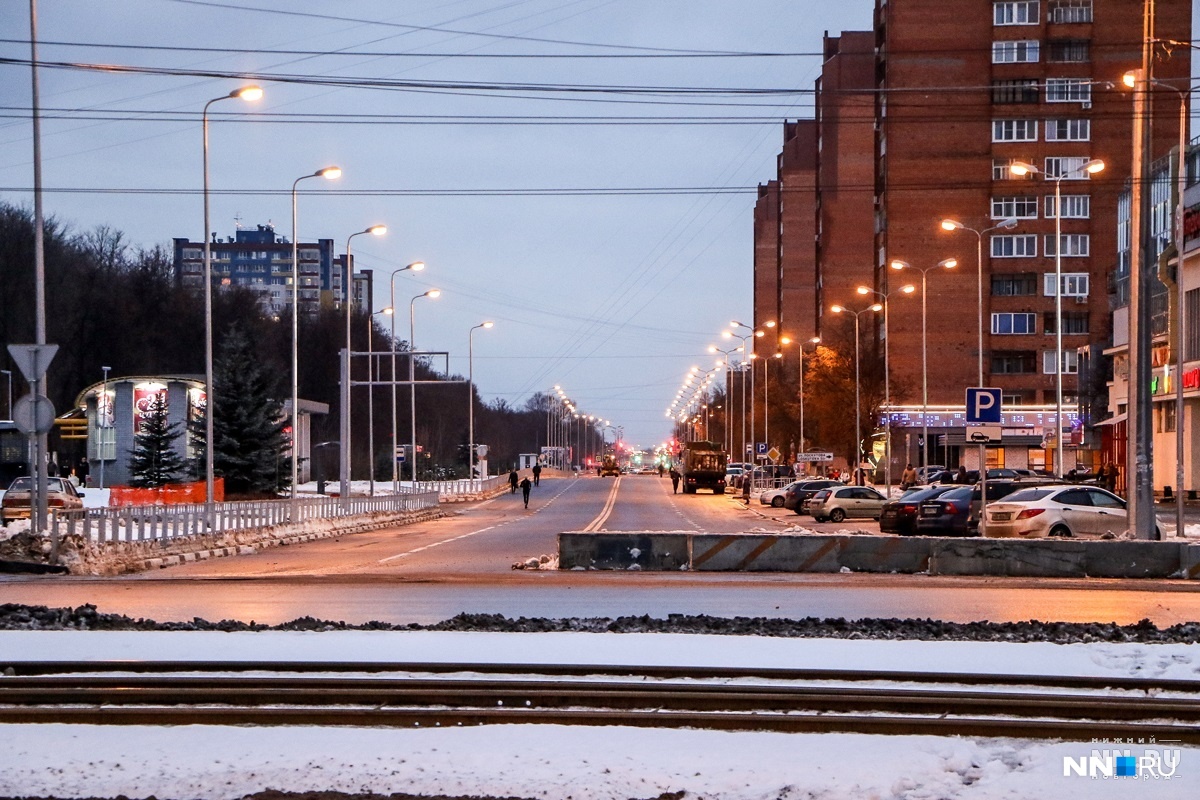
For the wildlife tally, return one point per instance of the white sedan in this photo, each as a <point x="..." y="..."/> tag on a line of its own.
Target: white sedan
<point x="1065" y="510"/>
<point x="773" y="497"/>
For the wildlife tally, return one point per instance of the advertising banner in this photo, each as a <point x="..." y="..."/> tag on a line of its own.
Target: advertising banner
<point x="143" y="398"/>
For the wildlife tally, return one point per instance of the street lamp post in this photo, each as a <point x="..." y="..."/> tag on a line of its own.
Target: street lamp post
<point x="412" y="376"/>
<point x="887" y="385"/>
<point x="371" y="394"/>
<point x="249" y="93"/>
<point x="1021" y="168"/>
<point x="347" y="280"/>
<point x="746" y="354"/>
<point x="946" y="263"/>
<point x="101" y="412"/>
<point x="329" y="173"/>
<point x="471" y="398"/>
<point x="815" y="341"/>
<point x="712" y="348"/>
<point x="752" y="355"/>
<point x="415" y="266"/>
<point x="873" y="308"/>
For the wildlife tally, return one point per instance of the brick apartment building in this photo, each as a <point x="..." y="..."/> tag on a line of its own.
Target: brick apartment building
<point x="918" y="121"/>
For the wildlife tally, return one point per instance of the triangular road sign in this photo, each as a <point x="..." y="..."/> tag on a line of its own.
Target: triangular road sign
<point x="33" y="359"/>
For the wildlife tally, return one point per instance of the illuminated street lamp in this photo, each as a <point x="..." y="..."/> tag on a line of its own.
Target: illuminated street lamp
<point x="712" y="348"/>
<point x="412" y="375"/>
<point x="415" y="266"/>
<point x="329" y="173"/>
<point x="887" y="390"/>
<point x="374" y="230"/>
<point x="946" y="263"/>
<point x="371" y="394"/>
<point x="248" y="93"/>
<point x="873" y="308"/>
<point x="1091" y="168"/>
<point x="815" y="341"/>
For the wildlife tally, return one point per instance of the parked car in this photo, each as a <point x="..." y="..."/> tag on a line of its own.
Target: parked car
<point x="15" y="504"/>
<point x="797" y="495"/>
<point x="775" y="498"/>
<point x="1057" y="510"/>
<point x="925" y="474"/>
<point x="836" y="504"/>
<point x="900" y="515"/>
<point x="963" y="518"/>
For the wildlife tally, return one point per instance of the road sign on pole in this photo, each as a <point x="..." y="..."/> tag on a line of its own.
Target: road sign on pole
<point x="982" y="434"/>
<point x="983" y="406"/>
<point x="34" y="414"/>
<point x="32" y="359"/>
<point x="814" y="457"/>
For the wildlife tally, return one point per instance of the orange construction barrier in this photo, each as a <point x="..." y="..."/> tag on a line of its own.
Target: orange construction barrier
<point x="169" y="494"/>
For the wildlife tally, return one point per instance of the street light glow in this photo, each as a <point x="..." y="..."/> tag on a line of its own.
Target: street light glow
<point x="836" y="309"/>
<point x="377" y="230"/>
<point x="248" y="93"/>
<point x="329" y="173"/>
<point x="433" y="293"/>
<point x="488" y="324"/>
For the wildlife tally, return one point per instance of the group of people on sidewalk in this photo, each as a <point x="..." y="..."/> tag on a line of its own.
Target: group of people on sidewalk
<point x="525" y="484"/>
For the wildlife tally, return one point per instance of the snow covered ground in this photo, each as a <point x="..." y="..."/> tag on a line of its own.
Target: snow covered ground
<point x="580" y="763"/>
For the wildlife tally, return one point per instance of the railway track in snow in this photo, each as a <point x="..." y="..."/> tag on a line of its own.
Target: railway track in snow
<point x="448" y="695"/>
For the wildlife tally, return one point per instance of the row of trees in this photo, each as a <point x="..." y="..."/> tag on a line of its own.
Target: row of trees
<point x="112" y="304"/>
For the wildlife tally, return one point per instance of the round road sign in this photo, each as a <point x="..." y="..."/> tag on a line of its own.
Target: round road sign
<point x="33" y="414"/>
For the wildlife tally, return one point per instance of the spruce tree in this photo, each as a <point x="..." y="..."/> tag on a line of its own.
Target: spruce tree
<point x="249" y="425"/>
<point x="154" y="461"/>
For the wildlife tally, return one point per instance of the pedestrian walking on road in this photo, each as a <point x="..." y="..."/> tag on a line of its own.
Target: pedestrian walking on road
<point x="537" y="474"/>
<point x="674" y="481"/>
<point x="512" y="482"/>
<point x="526" y="485"/>
<point x="908" y="477"/>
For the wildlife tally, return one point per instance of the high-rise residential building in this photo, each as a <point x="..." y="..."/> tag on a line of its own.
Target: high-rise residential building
<point x="956" y="93"/>
<point x="262" y="260"/>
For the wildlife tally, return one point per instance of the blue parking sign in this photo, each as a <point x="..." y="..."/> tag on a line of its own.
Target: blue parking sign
<point x="983" y="406"/>
<point x="760" y="448"/>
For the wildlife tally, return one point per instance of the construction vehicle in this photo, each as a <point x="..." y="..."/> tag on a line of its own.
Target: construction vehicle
<point x="702" y="466"/>
<point x="608" y="466"/>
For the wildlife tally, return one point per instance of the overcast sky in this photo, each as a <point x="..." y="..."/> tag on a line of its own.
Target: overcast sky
<point x="611" y="296"/>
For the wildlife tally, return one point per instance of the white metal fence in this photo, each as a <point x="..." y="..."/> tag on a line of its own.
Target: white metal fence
<point x="458" y="487"/>
<point x="142" y="523"/>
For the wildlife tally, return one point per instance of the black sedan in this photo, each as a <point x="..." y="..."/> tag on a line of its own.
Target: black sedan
<point x="946" y="514"/>
<point x="900" y="515"/>
<point x="799" y="493"/>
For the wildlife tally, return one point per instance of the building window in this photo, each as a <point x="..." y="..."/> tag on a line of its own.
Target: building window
<point x="1023" y="90"/>
<point x="1014" y="130"/>
<point x="1013" y="363"/>
<point x="1069" y="168"/>
<point x="1064" y="11"/>
<point x="1075" y="206"/>
<point x="1074" y="322"/>
<point x="1012" y="399"/>
<point x="1007" y="323"/>
<point x="1164" y="417"/>
<point x="1024" y="12"/>
<point x="1068" y="130"/>
<point x="1022" y="245"/>
<point x="1021" y="284"/>
<point x="1074" y="245"/>
<point x="1069" y="51"/>
<point x="1070" y="362"/>
<point x="1002" y="171"/>
<point x="1020" y="52"/>
<point x="1191" y="309"/>
<point x="1018" y="207"/>
<point x="1068" y="90"/>
<point x="1074" y="284"/>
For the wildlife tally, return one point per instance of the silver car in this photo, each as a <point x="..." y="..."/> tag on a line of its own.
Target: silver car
<point x="837" y="504"/>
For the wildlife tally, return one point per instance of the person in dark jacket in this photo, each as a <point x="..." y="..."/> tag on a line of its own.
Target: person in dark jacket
<point x="961" y="476"/>
<point x="526" y="485"/>
<point x="512" y="482"/>
<point x="674" y="481"/>
<point x="537" y="474"/>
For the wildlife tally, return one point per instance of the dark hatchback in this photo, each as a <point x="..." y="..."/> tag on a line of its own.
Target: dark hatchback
<point x="956" y="512"/>
<point x="900" y="515"/>
<point x="800" y="492"/>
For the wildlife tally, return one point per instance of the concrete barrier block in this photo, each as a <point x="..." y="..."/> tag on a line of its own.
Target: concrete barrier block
<point x="906" y="554"/>
<point x="1132" y="559"/>
<point x="1011" y="558"/>
<point x="629" y="551"/>
<point x="765" y="553"/>
<point x="1189" y="561"/>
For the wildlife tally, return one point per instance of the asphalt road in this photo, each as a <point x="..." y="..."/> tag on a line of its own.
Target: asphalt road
<point x="463" y="563"/>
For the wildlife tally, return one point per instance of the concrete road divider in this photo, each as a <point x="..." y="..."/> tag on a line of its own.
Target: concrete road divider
<point x="633" y="551"/>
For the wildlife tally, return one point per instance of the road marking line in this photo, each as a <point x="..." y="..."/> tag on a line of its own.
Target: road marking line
<point x="595" y="524"/>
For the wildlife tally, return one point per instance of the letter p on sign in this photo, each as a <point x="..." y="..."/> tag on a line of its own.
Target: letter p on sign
<point x="983" y="406"/>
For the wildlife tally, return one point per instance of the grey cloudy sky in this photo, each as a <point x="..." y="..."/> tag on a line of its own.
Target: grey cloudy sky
<point x="612" y="296"/>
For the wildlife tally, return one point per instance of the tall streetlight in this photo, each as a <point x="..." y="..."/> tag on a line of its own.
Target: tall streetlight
<point x="249" y="93"/>
<point x="412" y="375"/>
<point x="415" y="266"/>
<point x="101" y="412"/>
<point x="1090" y="168"/>
<point x="1130" y="80"/>
<point x="873" y="308"/>
<point x="8" y="374"/>
<point x="347" y="280"/>
<point x="749" y="353"/>
<point x="712" y="348"/>
<point x="946" y="263"/>
<point x="471" y="397"/>
<point x="329" y="173"/>
<point x="816" y="342"/>
<point x="371" y="393"/>
<point x="887" y="386"/>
